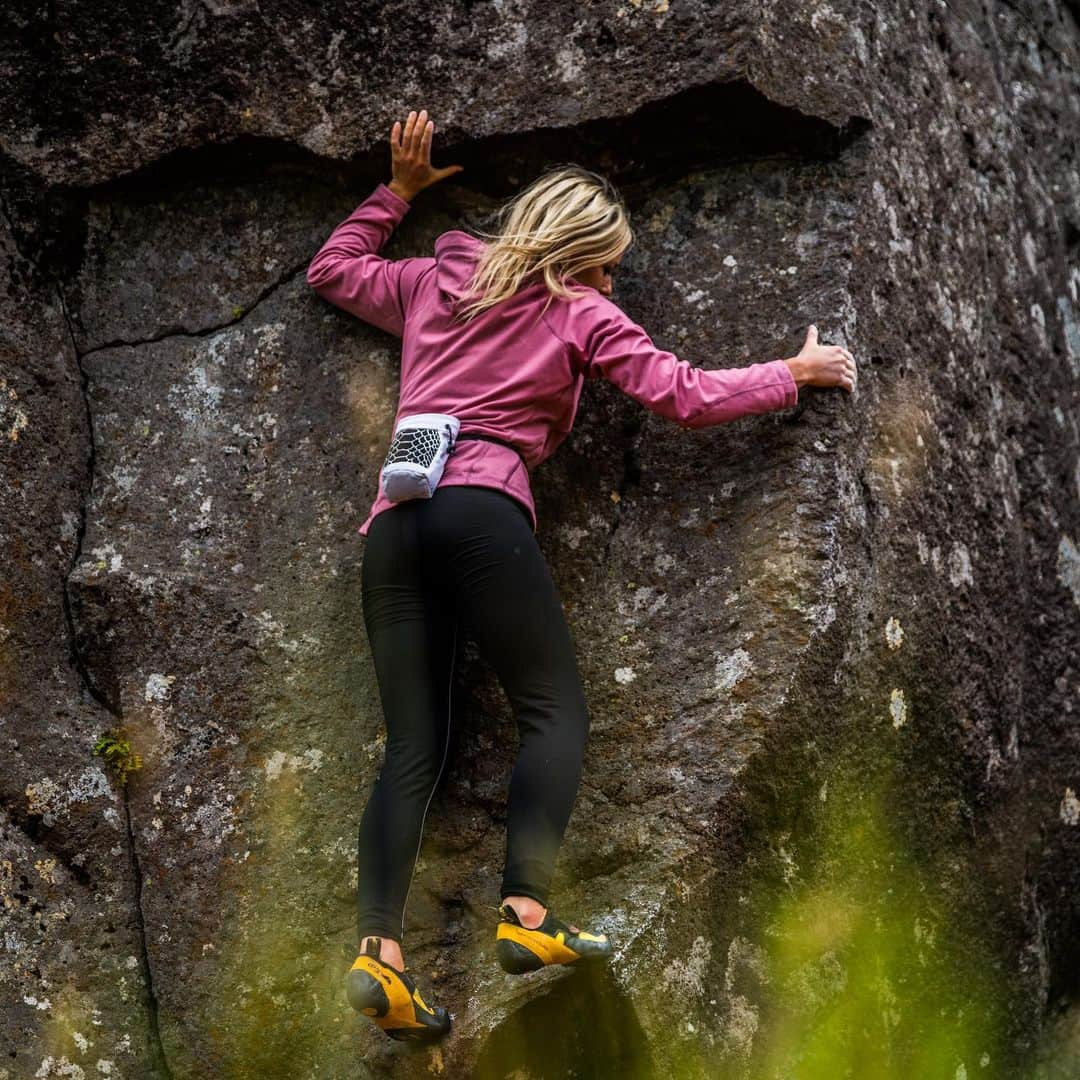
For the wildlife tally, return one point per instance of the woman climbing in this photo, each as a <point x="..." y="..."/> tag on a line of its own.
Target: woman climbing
<point x="498" y="339"/>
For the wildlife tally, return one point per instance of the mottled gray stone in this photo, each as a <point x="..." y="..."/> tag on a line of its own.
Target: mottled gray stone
<point x="189" y="438"/>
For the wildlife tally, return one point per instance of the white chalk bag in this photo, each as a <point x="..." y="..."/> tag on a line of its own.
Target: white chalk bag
<point x="417" y="456"/>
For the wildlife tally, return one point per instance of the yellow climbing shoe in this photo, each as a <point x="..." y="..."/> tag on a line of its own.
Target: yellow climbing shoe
<point x="391" y="999"/>
<point x="519" y="949"/>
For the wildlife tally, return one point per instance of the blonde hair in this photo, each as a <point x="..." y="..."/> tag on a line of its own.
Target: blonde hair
<point x="565" y="221"/>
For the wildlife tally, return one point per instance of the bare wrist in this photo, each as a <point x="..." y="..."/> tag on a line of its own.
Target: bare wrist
<point x="401" y="191"/>
<point x="798" y="372"/>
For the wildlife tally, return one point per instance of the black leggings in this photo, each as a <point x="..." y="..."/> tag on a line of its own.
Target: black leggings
<point x="464" y="561"/>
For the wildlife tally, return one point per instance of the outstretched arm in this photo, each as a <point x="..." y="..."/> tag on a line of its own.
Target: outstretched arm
<point x="347" y="269"/>
<point x="348" y="272"/>
<point x="618" y="349"/>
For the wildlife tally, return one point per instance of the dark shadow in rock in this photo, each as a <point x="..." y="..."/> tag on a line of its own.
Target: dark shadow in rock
<point x="93" y="622"/>
<point x="702" y="127"/>
<point x="583" y="1026"/>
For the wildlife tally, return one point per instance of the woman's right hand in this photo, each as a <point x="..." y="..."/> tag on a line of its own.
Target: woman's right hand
<point x="822" y="365"/>
<point x="410" y="153"/>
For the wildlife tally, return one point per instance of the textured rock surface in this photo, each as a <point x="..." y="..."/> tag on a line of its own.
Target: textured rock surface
<point x="885" y="585"/>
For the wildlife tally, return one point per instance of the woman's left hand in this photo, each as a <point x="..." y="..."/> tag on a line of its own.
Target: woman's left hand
<point x="411" y="156"/>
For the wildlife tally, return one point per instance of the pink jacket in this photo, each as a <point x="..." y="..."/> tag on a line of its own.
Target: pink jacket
<point x="509" y="372"/>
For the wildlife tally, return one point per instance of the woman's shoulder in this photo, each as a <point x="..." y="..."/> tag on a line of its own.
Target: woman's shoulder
<point x="457" y="237"/>
<point x="580" y="314"/>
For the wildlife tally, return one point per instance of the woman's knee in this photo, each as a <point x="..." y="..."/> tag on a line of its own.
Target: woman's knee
<point x="563" y="732"/>
<point x="413" y="769"/>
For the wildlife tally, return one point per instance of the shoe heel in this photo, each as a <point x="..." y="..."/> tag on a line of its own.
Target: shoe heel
<point x="514" y="958"/>
<point x="366" y="994"/>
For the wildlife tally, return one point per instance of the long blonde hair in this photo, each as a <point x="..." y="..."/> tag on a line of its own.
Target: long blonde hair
<point x="565" y="221"/>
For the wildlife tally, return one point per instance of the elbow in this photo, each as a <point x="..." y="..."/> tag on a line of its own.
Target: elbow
<point x="317" y="273"/>
<point x="692" y="419"/>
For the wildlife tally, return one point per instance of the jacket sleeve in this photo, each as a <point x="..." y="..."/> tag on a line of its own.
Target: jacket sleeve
<point x="348" y="272"/>
<point x="618" y="349"/>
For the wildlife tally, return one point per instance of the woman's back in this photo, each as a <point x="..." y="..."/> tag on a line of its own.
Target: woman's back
<point x="514" y="371"/>
<point x="504" y="372"/>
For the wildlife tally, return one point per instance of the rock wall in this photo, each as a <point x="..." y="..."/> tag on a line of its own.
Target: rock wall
<point x="830" y="807"/>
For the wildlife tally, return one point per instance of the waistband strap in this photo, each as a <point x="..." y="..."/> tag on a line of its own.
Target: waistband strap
<point x="491" y="438"/>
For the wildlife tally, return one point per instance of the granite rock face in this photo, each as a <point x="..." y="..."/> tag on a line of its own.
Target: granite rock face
<point x="831" y="798"/>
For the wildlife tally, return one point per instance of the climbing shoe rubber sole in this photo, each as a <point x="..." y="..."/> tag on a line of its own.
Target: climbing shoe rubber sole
<point x="519" y="949"/>
<point x="393" y="1001"/>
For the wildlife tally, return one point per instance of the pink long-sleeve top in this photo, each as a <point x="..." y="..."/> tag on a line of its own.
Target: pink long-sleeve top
<point x="511" y="372"/>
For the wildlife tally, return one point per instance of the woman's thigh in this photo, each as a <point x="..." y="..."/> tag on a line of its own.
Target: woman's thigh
<point x="507" y="598"/>
<point x="410" y="620"/>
